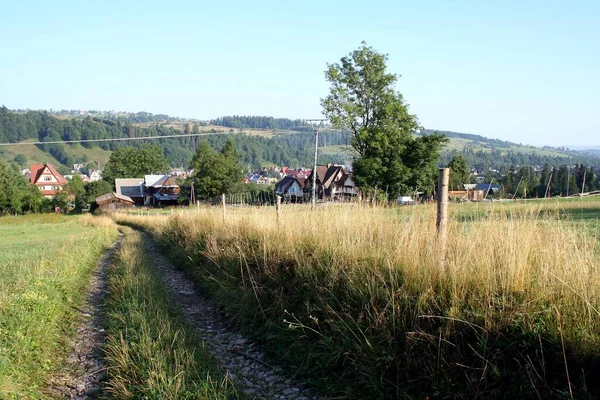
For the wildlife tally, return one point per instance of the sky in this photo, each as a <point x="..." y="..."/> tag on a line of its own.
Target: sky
<point x="524" y="71"/>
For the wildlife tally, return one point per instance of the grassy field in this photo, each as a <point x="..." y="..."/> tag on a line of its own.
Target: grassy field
<point x="356" y="298"/>
<point x="150" y="353"/>
<point x="45" y="265"/>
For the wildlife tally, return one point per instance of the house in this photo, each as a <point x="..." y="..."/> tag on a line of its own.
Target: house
<point x="114" y="201"/>
<point x="290" y="189"/>
<point x="466" y="195"/>
<point x="132" y="188"/>
<point x="348" y="187"/>
<point x="488" y="188"/>
<point x="160" y="190"/>
<point x="329" y="180"/>
<point x="256" y="178"/>
<point x="47" y="179"/>
<point x="93" y="175"/>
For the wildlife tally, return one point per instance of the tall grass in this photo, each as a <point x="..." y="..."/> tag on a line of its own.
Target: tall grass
<point x="150" y="354"/>
<point x="357" y="298"/>
<point x="45" y="264"/>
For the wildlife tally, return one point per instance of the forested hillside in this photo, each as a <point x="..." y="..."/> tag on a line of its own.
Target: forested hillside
<point x="292" y="149"/>
<point x="260" y="122"/>
<point x="291" y="142"/>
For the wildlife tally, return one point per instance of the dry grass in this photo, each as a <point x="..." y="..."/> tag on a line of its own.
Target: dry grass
<point x="371" y="277"/>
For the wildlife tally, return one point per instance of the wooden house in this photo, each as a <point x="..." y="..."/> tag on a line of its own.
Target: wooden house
<point x="333" y="183"/>
<point x="290" y="189"/>
<point x="114" y="201"/>
<point x="47" y="179"/>
<point x="160" y="190"/>
<point x="132" y="188"/>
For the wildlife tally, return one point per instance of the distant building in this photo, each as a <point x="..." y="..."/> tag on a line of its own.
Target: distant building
<point x="47" y="179"/>
<point x="132" y="188"/>
<point x="114" y="201"/>
<point x="290" y="189"/>
<point x="160" y="190"/>
<point x="93" y="175"/>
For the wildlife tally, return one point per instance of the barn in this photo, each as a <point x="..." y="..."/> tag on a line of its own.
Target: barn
<point x="113" y="201"/>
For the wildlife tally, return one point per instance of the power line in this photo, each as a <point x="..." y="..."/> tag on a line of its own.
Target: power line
<point x="117" y="139"/>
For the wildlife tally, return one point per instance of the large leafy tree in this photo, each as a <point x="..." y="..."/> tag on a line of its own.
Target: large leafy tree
<point x="131" y="162"/>
<point x="77" y="188"/>
<point x="17" y="195"/>
<point x="363" y="99"/>
<point x="459" y="172"/>
<point x="216" y="173"/>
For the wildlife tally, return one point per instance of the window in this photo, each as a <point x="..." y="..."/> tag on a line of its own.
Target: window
<point x="47" y="178"/>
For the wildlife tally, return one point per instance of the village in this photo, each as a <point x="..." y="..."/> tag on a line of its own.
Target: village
<point x="334" y="183"/>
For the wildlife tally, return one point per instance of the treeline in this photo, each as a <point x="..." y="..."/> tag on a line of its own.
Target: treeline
<point x="292" y="149"/>
<point x="550" y="181"/>
<point x="133" y="117"/>
<point x="497" y="159"/>
<point x="259" y="122"/>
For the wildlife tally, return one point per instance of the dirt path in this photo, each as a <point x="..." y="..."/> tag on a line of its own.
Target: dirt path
<point x="84" y="372"/>
<point x="236" y="355"/>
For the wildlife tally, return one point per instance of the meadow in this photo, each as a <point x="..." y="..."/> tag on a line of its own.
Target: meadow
<point x="150" y="352"/>
<point x="356" y="298"/>
<point x="45" y="265"/>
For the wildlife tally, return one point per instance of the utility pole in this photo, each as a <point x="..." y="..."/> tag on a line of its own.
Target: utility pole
<point x="316" y="125"/>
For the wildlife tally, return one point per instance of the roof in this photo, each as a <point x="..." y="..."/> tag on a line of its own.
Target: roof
<point x="331" y="173"/>
<point x="131" y="187"/>
<point x="487" y="186"/>
<point x="283" y="185"/>
<point x="109" y="196"/>
<point x="159" y="180"/>
<point x="38" y="169"/>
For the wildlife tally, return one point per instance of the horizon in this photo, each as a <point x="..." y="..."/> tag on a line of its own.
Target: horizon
<point x="514" y="72"/>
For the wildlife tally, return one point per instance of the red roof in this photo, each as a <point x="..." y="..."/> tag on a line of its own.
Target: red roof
<point x="38" y="169"/>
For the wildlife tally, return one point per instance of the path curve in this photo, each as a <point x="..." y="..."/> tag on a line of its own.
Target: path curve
<point x="84" y="373"/>
<point x="241" y="360"/>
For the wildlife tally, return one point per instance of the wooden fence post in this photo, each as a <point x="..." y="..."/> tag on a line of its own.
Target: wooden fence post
<point x="198" y="206"/>
<point x="442" y="212"/>
<point x="223" y="201"/>
<point x="278" y="208"/>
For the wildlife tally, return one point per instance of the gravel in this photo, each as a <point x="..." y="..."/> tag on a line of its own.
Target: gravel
<point x="84" y="372"/>
<point x="239" y="358"/>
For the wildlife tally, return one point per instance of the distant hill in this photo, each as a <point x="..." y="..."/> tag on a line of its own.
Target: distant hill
<point x="263" y="141"/>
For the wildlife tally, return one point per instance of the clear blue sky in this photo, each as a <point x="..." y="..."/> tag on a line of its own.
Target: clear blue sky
<point x="526" y="71"/>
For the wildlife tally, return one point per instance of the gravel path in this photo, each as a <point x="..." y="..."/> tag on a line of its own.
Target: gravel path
<point x="237" y="356"/>
<point x="84" y="372"/>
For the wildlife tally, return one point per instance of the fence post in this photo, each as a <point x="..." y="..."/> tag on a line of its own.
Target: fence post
<point x="278" y="208"/>
<point x="223" y="201"/>
<point x="198" y="206"/>
<point x="442" y="212"/>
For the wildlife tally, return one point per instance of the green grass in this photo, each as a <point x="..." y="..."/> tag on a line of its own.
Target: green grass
<point x="355" y="298"/>
<point x="150" y="353"/>
<point x="35" y="155"/>
<point x="45" y="264"/>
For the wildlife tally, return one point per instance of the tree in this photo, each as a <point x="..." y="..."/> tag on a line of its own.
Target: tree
<point x="232" y="166"/>
<point x="362" y="99"/>
<point x="131" y="162"/>
<point x="75" y="187"/>
<point x="17" y="195"/>
<point x="459" y="172"/>
<point x="20" y="159"/>
<point x="96" y="189"/>
<point x="216" y="173"/>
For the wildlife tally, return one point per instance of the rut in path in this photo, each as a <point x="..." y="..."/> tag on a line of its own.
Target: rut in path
<point x="84" y="372"/>
<point x="239" y="358"/>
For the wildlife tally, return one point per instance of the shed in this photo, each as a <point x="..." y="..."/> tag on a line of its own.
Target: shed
<point x="114" y="201"/>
